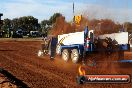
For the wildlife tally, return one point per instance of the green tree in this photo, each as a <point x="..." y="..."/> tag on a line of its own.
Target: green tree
<point x="26" y="23"/>
<point x="32" y="23"/>
<point x="14" y="24"/>
<point x="6" y="25"/>
<point x="53" y="18"/>
<point x="45" y="26"/>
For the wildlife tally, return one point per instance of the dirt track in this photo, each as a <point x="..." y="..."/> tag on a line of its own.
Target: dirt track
<point x="20" y="59"/>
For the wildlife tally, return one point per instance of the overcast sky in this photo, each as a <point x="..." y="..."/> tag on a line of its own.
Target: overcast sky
<point x="117" y="10"/>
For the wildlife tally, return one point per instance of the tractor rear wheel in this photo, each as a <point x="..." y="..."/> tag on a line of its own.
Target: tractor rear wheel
<point x="75" y="56"/>
<point x="65" y="55"/>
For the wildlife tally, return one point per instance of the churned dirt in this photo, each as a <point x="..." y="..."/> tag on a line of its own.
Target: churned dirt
<point x="20" y="59"/>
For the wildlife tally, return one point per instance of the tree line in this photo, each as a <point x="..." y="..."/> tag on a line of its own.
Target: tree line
<point x="28" y="23"/>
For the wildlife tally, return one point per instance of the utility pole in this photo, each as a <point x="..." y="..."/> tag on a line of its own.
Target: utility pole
<point x="73" y="12"/>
